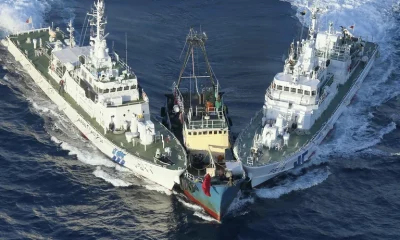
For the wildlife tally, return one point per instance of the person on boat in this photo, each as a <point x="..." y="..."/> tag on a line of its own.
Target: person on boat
<point x="61" y="89"/>
<point x="111" y="125"/>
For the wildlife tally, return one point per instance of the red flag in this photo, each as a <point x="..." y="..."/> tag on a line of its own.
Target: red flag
<point x="351" y="26"/>
<point x="206" y="185"/>
<point x="29" y="20"/>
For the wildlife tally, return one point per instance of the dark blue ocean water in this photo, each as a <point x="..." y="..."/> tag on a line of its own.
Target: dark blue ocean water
<point x="54" y="184"/>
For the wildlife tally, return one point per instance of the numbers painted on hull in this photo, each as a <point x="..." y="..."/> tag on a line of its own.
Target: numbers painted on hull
<point x="87" y="126"/>
<point x="143" y="167"/>
<point x="278" y="169"/>
<point x="300" y="159"/>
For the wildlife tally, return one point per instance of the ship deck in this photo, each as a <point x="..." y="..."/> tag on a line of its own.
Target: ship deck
<point x="147" y="153"/>
<point x="297" y="140"/>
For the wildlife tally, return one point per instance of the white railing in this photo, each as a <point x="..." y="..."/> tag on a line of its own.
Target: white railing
<point x="29" y="31"/>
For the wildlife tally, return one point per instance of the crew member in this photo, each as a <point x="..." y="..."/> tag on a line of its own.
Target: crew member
<point x="61" y="89"/>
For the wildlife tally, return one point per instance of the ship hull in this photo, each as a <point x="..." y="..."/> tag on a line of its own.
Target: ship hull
<point x="259" y="175"/>
<point x="218" y="203"/>
<point x="263" y="173"/>
<point x="156" y="173"/>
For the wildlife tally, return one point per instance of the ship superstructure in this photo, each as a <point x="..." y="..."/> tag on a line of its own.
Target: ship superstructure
<point x="196" y="113"/>
<point x="320" y="76"/>
<point x="101" y="95"/>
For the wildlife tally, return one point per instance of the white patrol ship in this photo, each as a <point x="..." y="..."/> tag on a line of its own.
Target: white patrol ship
<point x="319" y="79"/>
<point x="100" y="94"/>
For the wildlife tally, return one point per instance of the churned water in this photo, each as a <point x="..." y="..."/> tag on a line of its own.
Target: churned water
<point x="55" y="184"/>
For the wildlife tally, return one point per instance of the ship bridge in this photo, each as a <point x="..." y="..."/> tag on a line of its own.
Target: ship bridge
<point x="302" y="92"/>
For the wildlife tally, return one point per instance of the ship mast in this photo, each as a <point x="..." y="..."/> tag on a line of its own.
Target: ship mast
<point x="99" y="21"/>
<point x="71" y="29"/>
<point x="314" y="22"/>
<point x="193" y="40"/>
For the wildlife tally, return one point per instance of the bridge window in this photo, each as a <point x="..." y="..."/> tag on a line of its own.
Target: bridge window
<point x="220" y="132"/>
<point x="126" y="88"/>
<point x="190" y="133"/>
<point x="133" y="87"/>
<point x="119" y="89"/>
<point x="306" y="92"/>
<point x="293" y="90"/>
<point x="300" y="91"/>
<point x="205" y="132"/>
<point x="313" y="93"/>
<point x="194" y="133"/>
<point x="210" y="132"/>
<point x="215" y="132"/>
<point x="106" y="91"/>
<point x="112" y="90"/>
<point x="279" y="87"/>
<point x="286" y="89"/>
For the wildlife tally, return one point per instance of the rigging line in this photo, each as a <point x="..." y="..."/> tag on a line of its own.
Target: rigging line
<point x="83" y="26"/>
<point x="84" y="35"/>
<point x="182" y="50"/>
<point x="197" y="57"/>
<point x="195" y="77"/>
<point x="210" y="71"/>
<point x="187" y="56"/>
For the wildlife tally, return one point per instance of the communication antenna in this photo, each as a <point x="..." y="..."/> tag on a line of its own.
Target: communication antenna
<point x="126" y="50"/>
<point x="71" y="29"/>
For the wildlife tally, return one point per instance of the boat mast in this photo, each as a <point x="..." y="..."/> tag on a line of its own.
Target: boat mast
<point x="71" y="29"/>
<point x="314" y="22"/>
<point x="193" y="40"/>
<point x="99" y="21"/>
